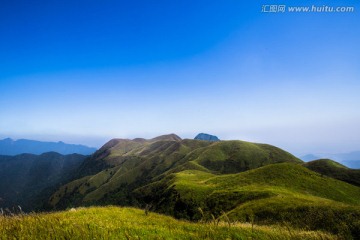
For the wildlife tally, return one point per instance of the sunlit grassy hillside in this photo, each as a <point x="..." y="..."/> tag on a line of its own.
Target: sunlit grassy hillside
<point x="273" y="194"/>
<point x="130" y="223"/>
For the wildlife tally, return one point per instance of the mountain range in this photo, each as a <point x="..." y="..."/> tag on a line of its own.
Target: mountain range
<point x="204" y="180"/>
<point x="12" y="147"/>
<point x="197" y="180"/>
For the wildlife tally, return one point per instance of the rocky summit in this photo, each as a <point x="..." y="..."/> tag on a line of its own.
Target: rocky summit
<point x="207" y="137"/>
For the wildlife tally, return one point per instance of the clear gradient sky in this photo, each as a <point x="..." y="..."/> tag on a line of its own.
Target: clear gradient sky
<point x="87" y="71"/>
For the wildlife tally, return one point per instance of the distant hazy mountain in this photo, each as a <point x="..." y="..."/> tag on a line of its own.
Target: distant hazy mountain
<point x="12" y="147"/>
<point x="207" y="137"/>
<point x="351" y="159"/>
<point x="351" y="156"/>
<point x="355" y="164"/>
<point x="309" y="157"/>
<point x="27" y="179"/>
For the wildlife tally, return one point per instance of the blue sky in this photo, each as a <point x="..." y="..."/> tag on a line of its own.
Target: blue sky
<point x="88" y="71"/>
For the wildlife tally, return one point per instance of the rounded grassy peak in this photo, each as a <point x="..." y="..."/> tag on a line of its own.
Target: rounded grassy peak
<point x="325" y="163"/>
<point x="239" y="156"/>
<point x="168" y="137"/>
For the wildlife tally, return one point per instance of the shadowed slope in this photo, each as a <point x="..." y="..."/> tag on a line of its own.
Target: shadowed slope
<point x="25" y="177"/>
<point x="333" y="169"/>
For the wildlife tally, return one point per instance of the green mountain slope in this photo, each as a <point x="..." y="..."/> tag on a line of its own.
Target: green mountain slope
<point x="333" y="169"/>
<point x="121" y="166"/>
<point x="274" y="193"/>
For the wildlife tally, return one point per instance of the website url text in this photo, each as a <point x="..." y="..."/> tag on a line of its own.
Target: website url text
<point x="306" y="9"/>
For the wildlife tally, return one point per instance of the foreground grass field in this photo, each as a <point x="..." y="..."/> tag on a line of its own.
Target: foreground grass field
<point x="130" y="223"/>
